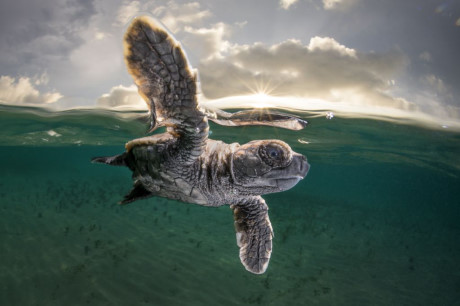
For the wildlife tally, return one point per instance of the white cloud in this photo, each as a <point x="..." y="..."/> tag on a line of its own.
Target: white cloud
<point x="42" y="79"/>
<point x="127" y="10"/>
<point x="122" y="96"/>
<point x="286" y="4"/>
<point x="177" y="16"/>
<point x="330" y="44"/>
<point x="207" y="42"/>
<point x="97" y="59"/>
<point x="324" y="69"/>
<point x="337" y="4"/>
<point x="22" y="91"/>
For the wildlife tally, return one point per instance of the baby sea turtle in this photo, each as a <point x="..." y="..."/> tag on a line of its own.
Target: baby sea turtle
<point x="184" y="164"/>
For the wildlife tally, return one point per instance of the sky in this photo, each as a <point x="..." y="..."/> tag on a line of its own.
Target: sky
<point x="394" y="58"/>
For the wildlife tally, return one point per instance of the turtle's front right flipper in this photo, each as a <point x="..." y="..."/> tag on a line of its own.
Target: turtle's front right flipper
<point x="253" y="234"/>
<point x="259" y="117"/>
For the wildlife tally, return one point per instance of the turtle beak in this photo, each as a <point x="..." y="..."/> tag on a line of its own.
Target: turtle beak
<point x="304" y="166"/>
<point x="291" y="175"/>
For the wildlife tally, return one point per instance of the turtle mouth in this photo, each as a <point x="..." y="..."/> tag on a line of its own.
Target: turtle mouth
<point x="291" y="175"/>
<point x="287" y="183"/>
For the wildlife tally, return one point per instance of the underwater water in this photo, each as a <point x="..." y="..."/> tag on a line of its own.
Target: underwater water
<point x="375" y="222"/>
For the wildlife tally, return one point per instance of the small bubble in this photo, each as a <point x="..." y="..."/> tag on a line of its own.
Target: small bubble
<point x="329" y="115"/>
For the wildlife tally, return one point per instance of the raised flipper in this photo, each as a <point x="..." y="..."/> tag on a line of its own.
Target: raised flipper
<point x="167" y="83"/>
<point x="253" y="234"/>
<point x="257" y="117"/>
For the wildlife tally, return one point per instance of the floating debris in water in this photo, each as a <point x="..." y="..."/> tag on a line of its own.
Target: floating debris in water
<point x="53" y="133"/>
<point x="301" y="140"/>
<point x="329" y="115"/>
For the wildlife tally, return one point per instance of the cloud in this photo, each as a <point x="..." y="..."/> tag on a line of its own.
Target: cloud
<point x="436" y="83"/>
<point x="286" y="4"/>
<point x="22" y="91"/>
<point x="122" y="96"/>
<point x="337" y="4"/>
<point x="209" y="42"/>
<point x="330" y="44"/>
<point x="323" y="69"/>
<point x="436" y="97"/>
<point x="37" y="34"/>
<point x="127" y="11"/>
<point x="177" y="16"/>
<point x="425" y="56"/>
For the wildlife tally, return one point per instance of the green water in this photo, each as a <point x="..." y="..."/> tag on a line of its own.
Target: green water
<point x="375" y="222"/>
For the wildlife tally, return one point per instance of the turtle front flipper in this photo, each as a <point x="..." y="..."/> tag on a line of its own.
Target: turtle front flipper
<point x="258" y="117"/>
<point x="253" y="234"/>
<point x="166" y="82"/>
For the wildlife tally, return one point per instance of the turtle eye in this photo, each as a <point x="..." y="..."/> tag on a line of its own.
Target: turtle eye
<point x="274" y="152"/>
<point x="274" y="155"/>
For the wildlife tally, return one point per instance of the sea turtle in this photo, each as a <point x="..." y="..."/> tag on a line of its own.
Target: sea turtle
<point x="184" y="164"/>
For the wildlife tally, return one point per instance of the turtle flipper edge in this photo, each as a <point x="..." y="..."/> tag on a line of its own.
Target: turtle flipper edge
<point x="254" y="234"/>
<point x="258" y="117"/>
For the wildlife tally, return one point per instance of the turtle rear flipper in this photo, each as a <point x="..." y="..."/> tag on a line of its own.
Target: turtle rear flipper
<point x="117" y="160"/>
<point x="259" y="117"/>
<point x="253" y="234"/>
<point x="137" y="193"/>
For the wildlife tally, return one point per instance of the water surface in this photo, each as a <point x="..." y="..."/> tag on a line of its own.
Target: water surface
<point x="375" y="222"/>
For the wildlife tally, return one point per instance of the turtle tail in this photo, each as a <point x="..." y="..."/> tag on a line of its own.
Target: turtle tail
<point x="117" y="160"/>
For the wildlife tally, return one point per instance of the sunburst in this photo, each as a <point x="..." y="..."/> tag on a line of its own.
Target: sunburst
<point x="261" y="92"/>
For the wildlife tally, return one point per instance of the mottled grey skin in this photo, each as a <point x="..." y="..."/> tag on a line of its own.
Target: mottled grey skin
<point x="184" y="164"/>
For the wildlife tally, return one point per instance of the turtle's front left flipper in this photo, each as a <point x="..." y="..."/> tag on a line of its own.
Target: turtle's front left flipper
<point x="253" y="234"/>
<point x="167" y="83"/>
<point x="259" y="117"/>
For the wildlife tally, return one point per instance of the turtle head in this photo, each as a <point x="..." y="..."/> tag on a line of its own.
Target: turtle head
<point x="267" y="166"/>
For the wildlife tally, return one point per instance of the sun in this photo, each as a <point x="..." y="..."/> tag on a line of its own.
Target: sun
<point x="260" y="100"/>
<point x="260" y="93"/>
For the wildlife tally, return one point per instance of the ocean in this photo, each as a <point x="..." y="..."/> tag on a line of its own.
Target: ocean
<point x="375" y="222"/>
